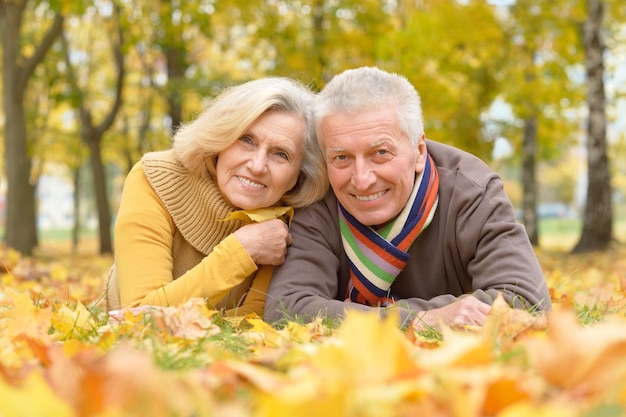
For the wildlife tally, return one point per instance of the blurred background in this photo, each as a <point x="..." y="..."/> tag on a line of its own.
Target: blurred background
<point x="533" y="87"/>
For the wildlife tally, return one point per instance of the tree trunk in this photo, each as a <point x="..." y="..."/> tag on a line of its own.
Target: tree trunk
<point x="319" y="42"/>
<point x="21" y="229"/>
<point x="76" y="226"/>
<point x="21" y="218"/>
<point x="176" y="67"/>
<point x="92" y="135"/>
<point x="598" y="216"/>
<point x="529" y="150"/>
<point x="99" y="181"/>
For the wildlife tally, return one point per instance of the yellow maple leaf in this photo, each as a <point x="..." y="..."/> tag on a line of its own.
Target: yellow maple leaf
<point x="59" y="272"/>
<point x="364" y="369"/>
<point x="23" y="317"/>
<point x="572" y="356"/>
<point x="70" y="323"/>
<point x="259" y="331"/>
<point x="364" y="341"/>
<point x="458" y="348"/>
<point x="262" y="214"/>
<point x="527" y="408"/>
<point x="32" y="398"/>
<point x="9" y="257"/>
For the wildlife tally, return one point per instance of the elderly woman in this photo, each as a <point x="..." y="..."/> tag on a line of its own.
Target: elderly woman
<point x="253" y="147"/>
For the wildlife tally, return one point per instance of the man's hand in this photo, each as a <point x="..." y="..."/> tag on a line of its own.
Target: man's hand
<point x="467" y="311"/>
<point x="265" y="242"/>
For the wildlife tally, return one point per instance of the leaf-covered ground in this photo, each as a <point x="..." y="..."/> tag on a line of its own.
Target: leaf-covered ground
<point x="62" y="355"/>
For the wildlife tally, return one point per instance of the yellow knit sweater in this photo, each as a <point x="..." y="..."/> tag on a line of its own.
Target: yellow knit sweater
<point x="171" y="243"/>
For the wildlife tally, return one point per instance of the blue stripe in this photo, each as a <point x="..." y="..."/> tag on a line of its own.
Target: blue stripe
<point x="378" y="292"/>
<point x="414" y="217"/>
<point x="372" y="235"/>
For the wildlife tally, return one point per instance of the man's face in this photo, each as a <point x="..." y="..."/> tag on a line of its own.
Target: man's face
<point x="371" y="163"/>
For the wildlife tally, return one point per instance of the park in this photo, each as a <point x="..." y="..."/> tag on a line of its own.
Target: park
<point x="533" y="88"/>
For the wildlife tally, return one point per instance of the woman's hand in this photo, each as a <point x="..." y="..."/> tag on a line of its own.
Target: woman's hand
<point x="265" y="242"/>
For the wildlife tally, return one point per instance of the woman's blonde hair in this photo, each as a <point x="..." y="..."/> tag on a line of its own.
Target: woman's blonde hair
<point x="228" y="115"/>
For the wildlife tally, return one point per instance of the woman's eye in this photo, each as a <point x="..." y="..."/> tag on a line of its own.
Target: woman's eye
<point x="246" y="139"/>
<point x="282" y="155"/>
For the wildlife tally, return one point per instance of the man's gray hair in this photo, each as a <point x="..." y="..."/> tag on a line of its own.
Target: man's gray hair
<point x="359" y="89"/>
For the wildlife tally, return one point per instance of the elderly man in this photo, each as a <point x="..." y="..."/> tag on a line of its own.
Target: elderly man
<point x="409" y="224"/>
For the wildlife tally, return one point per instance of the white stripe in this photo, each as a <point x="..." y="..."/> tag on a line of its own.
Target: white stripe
<point x="382" y="284"/>
<point x="400" y="221"/>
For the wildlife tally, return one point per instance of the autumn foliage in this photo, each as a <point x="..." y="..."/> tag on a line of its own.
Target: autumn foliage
<point x="62" y="355"/>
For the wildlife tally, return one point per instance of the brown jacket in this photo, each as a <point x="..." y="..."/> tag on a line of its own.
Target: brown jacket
<point x="473" y="245"/>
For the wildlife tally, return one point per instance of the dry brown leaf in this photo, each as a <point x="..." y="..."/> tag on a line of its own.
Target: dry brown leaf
<point x="506" y="323"/>
<point x="587" y="359"/>
<point x="192" y="320"/>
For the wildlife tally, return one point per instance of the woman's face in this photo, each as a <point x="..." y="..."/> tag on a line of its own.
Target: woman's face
<point x="264" y="163"/>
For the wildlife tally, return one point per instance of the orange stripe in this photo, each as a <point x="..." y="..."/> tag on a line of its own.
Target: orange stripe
<point x="383" y="254"/>
<point x="362" y="290"/>
<point x="428" y="201"/>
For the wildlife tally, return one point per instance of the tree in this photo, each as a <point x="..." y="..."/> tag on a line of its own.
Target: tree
<point x="598" y="214"/>
<point x="169" y="38"/>
<point x="21" y="222"/>
<point x="92" y="132"/>
<point x="452" y="52"/>
<point x="543" y="47"/>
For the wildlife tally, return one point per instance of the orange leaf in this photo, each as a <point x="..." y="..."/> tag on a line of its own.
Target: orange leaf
<point x="577" y="357"/>
<point x="507" y="323"/>
<point x="502" y="393"/>
<point x="23" y="317"/>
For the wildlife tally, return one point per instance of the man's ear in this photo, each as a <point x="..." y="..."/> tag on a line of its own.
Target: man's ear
<point x="420" y="160"/>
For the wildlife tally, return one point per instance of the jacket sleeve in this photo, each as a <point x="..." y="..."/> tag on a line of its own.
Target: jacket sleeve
<point x="501" y="260"/>
<point x="307" y="284"/>
<point x="481" y="247"/>
<point x="484" y="252"/>
<point x="143" y="254"/>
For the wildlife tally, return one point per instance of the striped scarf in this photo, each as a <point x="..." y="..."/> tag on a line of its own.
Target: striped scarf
<point x="376" y="257"/>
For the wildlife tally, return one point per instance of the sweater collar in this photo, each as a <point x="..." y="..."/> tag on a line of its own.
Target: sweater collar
<point x="194" y="202"/>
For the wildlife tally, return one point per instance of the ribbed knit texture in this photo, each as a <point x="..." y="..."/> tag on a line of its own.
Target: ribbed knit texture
<point x="194" y="202"/>
<point x="196" y="206"/>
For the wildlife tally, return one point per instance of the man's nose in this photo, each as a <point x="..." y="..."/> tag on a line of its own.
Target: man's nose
<point x="362" y="176"/>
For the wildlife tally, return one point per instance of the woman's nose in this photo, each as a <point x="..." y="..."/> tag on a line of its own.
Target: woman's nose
<point x="258" y="162"/>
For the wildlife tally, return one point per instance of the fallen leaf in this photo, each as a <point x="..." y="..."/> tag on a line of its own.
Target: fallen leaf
<point x="69" y="323"/>
<point x="33" y="397"/>
<point x="571" y="356"/>
<point x="262" y="214"/>
<point x="192" y="320"/>
<point x="505" y="323"/>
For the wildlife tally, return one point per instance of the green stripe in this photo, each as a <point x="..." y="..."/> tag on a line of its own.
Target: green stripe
<point x="365" y="261"/>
